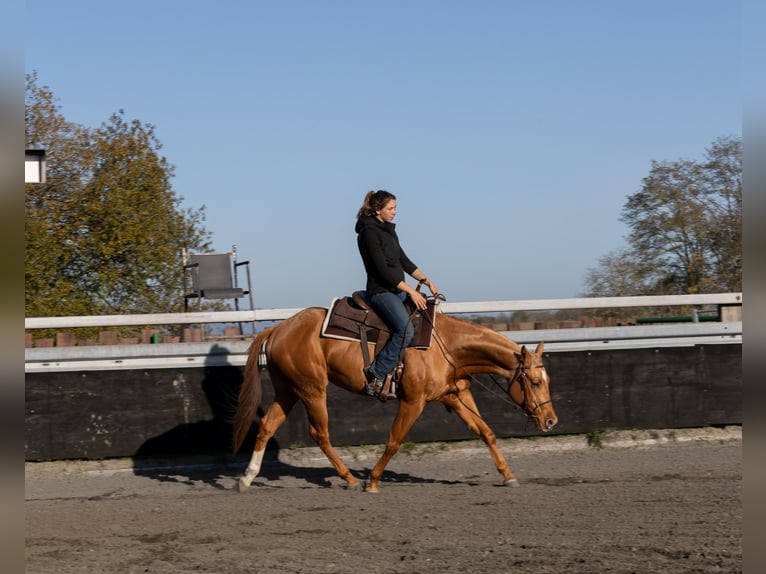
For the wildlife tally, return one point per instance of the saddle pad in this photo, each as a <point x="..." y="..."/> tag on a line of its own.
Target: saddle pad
<point x="344" y="320"/>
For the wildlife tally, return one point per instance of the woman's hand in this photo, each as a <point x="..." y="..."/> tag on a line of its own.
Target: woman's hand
<point x="431" y="287"/>
<point x="419" y="299"/>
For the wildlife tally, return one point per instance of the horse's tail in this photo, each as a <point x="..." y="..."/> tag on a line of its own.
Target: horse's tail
<point x="250" y="392"/>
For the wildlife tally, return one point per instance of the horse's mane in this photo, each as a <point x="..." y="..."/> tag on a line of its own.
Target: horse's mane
<point x="458" y="324"/>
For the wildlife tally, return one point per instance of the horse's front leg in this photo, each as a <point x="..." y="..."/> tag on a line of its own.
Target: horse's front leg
<point x="406" y="416"/>
<point x="465" y="407"/>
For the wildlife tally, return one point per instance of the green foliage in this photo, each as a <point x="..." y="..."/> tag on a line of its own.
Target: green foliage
<point x="685" y="230"/>
<point x="104" y="234"/>
<point x="595" y="439"/>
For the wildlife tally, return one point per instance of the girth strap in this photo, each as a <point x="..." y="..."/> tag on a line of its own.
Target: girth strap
<point x="365" y="349"/>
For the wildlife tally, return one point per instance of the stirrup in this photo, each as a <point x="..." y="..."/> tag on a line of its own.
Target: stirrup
<point x="372" y="388"/>
<point x="373" y="385"/>
<point x="389" y="389"/>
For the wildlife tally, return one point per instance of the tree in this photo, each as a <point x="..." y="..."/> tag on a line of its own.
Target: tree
<point x="49" y="207"/>
<point x="685" y="230"/>
<point x="104" y="234"/>
<point x="617" y="275"/>
<point x="724" y="203"/>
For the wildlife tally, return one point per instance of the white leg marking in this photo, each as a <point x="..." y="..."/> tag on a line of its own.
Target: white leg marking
<point x="252" y="469"/>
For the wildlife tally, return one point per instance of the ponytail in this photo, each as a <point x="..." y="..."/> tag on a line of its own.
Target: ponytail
<point x="374" y="201"/>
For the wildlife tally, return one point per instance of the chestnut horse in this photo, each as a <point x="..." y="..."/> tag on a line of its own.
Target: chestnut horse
<point x="301" y="363"/>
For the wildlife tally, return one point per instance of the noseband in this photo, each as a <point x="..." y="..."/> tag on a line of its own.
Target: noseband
<point x="521" y="376"/>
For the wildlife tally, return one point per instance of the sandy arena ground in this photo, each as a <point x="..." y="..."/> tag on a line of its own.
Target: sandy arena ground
<point x="649" y="501"/>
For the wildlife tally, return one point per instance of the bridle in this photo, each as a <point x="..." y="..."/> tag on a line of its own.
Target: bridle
<point x="527" y="402"/>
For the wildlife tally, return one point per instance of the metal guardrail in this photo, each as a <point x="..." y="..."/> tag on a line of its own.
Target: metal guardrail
<point x="445" y="307"/>
<point x="234" y="353"/>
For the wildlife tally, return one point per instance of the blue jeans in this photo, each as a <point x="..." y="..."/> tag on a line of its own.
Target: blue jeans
<point x="390" y="307"/>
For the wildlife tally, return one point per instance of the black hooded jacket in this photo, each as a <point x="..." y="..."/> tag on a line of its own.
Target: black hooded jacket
<point x="384" y="260"/>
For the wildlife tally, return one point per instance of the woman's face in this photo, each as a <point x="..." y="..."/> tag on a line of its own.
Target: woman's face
<point x="387" y="214"/>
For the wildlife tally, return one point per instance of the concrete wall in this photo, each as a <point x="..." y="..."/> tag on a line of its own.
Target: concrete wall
<point x="180" y="411"/>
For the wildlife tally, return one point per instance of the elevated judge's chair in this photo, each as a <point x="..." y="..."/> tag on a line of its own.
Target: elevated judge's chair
<point x="215" y="276"/>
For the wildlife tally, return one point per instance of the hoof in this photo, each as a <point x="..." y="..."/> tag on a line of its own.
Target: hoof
<point x="356" y="486"/>
<point x="370" y="488"/>
<point x="242" y="485"/>
<point x="512" y="483"/>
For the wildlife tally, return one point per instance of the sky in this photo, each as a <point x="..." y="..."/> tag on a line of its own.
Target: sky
<point x="511" y="132"/>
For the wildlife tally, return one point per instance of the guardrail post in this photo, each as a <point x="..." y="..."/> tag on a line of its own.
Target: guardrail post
<point x="730" y="313"/>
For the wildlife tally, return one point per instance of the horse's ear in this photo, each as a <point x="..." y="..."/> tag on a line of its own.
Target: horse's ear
<point x="539" y="349"/>
<point x="523" y="356"/>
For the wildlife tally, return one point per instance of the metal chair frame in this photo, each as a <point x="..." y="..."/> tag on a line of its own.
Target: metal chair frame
<point x="215" y="275"/>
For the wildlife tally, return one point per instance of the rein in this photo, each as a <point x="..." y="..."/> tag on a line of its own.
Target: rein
<point x="519" y="375"/>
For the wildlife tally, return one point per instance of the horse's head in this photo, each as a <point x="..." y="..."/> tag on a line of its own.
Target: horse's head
<point x="529" y="388"/>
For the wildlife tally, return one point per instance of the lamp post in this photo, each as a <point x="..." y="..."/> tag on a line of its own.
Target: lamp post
<point x="34" y="166"/>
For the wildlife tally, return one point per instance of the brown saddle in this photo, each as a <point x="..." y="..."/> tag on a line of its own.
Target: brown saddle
<point x="352" y="319"/>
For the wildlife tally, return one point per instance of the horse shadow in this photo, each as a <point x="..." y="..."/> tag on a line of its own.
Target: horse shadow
<point x="194" y="445"/>
<point x="200" y="453"/>
<point x="274" y="474"/>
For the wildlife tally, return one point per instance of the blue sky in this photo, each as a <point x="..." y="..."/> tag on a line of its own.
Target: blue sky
<point x="511" y="132"/>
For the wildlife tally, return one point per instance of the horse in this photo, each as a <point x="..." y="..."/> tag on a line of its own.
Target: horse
<point x="301" y="364"/>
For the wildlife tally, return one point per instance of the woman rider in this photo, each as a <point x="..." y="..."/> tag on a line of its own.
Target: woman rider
<point x="386" y="263"/>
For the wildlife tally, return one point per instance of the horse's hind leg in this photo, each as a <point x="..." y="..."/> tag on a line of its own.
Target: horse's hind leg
<point x="319" y="431"/>
<point x="271" y="421"/>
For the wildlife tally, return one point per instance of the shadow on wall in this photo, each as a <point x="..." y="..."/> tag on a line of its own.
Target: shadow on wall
<point x="210" y="436"/>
